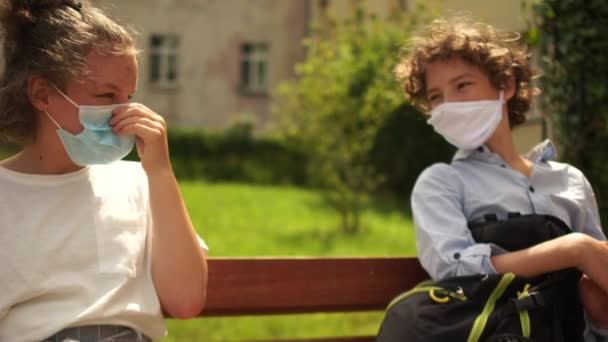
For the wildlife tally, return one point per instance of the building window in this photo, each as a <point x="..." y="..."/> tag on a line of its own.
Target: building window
<point x="254" y="68"/>
<point x="163" y="60"/>
<point x="323" y="5"/>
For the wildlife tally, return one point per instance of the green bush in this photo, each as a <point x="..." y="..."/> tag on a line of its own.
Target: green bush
<point x="234" y="155"/>
<point x="341" y="97"/>
<point x="573" y="43"/>
<point x="404" y="146"/>
<point x="7" y="150"/>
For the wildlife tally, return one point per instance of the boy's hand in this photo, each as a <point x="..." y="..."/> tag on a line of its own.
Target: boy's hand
<point x="592" y="258"/>
<point x="595" y="301"/>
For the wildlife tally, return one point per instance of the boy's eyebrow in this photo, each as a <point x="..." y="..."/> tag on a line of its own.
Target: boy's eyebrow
<point x="459" y="77"/>
<point x="453" y="80"/>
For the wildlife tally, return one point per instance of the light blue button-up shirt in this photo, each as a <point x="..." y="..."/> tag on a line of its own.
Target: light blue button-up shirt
<point x="479" y="182"/>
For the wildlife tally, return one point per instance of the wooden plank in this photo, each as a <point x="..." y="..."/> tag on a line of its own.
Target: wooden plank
<point x="327" y="339"/>
<point x="283" y="285"/>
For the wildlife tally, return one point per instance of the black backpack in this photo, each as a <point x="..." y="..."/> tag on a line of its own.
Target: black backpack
<point x="493" y="308"/>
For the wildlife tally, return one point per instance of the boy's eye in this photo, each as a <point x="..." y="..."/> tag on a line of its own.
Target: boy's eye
<point x="433" y="98"/>
<point x="106" y="95"/>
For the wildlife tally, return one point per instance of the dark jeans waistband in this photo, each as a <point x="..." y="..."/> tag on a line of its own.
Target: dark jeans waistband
<point x="98" y="333"/>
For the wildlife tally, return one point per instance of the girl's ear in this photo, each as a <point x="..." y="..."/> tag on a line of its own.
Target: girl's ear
<point x="38" y="90"/>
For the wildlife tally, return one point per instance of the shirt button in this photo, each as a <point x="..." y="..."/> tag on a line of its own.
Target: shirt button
<point x="531" y="188"/>
<point x="456" y="256"/>
<point x="503" y="165"/>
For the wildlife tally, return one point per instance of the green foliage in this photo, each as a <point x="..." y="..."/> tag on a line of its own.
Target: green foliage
<point x="573" y="37"/>
<point x="7" y="150"/>
<point x="343" y="95"/>
<point x="234" y="155"/>
<point x="231" y="155"/>
<point x="404" y="146"/>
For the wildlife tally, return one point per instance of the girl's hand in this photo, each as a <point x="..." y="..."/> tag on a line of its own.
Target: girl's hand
<point x="150" y="132"/>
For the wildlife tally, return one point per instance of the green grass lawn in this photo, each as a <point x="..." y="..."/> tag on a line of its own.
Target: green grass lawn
<point x="246" y="220"/>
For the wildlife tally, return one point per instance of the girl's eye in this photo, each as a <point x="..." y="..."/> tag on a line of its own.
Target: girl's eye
<point x="433" y="98"/>
<point x="464" y="84"/>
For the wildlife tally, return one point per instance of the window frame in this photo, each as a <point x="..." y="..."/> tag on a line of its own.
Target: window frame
<point x="165" y="72"/>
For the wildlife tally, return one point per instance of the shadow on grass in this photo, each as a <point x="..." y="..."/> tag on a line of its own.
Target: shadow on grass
<point x="382" y="205"/>
<point x="325" y="239"/>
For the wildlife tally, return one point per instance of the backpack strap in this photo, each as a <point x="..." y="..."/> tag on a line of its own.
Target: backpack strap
<point x="531" y="301"/>
<point x="480" y="322"/>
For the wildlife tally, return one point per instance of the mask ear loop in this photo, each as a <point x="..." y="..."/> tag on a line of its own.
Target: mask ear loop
<point x="64" y="95"/>
<point x="53" y="120"/>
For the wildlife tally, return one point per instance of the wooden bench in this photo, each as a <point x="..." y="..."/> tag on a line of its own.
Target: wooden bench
<point x="286" y="285"/>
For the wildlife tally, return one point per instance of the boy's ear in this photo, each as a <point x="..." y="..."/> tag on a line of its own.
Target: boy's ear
<point x="510" y="88"/>
<point x="38" y="90"/>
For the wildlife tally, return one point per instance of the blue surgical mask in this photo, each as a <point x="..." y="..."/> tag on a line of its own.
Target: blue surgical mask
<point x="97" y="143"/>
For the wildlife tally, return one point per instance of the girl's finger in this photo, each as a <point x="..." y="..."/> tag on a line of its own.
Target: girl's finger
<point x="141" y="130"/>
<point x="139" y="110"/>
<point x="136" y="119"/>
<point x="126" y="107"/>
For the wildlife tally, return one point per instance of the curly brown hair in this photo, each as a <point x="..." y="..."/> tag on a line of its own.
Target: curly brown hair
<point x="50" y="38"/>
<point x="498" y="54"/>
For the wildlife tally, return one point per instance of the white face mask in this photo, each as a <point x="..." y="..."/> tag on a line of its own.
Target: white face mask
<point x="468" y="124"/>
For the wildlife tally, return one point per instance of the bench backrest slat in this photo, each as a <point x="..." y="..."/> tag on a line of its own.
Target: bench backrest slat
<point x="281" y="285"/>
<point x="327" y="339"/>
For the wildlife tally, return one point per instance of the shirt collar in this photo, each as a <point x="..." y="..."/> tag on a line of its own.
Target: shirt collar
<point x="464" y="154"/>
<point x="542" y="152"/>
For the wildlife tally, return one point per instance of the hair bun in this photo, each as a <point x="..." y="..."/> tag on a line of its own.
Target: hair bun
<point x="17" y="15"/>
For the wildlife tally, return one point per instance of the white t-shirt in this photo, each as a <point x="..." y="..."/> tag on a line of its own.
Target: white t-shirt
<point x="75" y="250"/>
